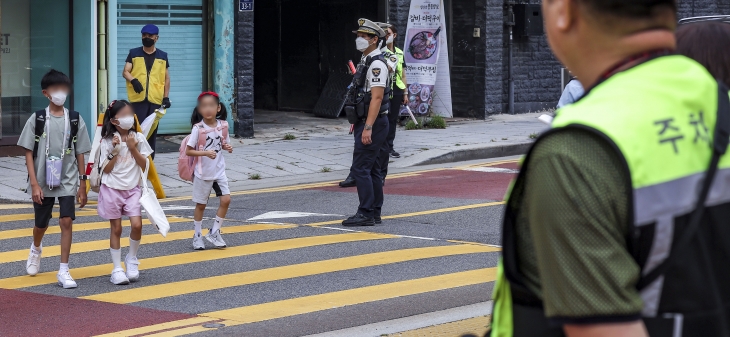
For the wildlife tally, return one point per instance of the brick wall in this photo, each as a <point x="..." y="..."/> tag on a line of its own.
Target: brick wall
<point x="244" y="75"/>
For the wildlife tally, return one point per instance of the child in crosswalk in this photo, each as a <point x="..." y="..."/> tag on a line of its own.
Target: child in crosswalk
<point x="119" y="193"/>
<point x="208" y="137"/>
<point x="55" y="135"/>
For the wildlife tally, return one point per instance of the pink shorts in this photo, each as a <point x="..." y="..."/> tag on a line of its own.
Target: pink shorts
<point x="115" y="203"/>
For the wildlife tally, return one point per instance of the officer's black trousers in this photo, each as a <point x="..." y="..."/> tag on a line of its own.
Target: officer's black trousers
<point x="393" y="116"/>
<point x="367" y="168"/>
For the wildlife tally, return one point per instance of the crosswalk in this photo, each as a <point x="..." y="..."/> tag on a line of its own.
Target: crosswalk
<point x="269" y="271"/>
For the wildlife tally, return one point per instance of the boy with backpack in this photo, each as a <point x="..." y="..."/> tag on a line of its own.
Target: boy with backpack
<point x="55" y="141"/>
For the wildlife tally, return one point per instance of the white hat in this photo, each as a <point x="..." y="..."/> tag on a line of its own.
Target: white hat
<point x="369" y="27"/>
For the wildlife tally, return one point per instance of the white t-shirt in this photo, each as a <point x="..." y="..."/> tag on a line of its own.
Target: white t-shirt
<point x="377" y="75"/>
<point x="126" y="173"/>
<point x="206" y="168"/>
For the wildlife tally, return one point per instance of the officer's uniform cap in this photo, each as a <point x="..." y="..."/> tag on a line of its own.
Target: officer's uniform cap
<point x="369" y="27"/>
<point x="384" y="25"/>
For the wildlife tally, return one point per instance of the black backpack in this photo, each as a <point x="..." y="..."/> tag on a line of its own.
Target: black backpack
<point x="40" y="124"/>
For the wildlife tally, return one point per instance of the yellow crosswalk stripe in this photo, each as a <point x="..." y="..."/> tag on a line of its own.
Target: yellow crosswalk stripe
<point x="30" y="205"/>
<point x="90" y="246"/>
<point x="432" y="211"/>
<point x="158" y="327"/>
<point x="77" y="227"/>
<point x="309" y="304"/>
<point x="31" y="216"/>
<point x="198" y="256"/>
<point x="284" y="272"/>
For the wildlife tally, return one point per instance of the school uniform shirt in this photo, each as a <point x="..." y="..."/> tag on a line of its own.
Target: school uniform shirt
<point x="70" y="170"/>
<point x="206" y="168"/>
<point x="126" y="174"/>
<point x="377" y="74"/>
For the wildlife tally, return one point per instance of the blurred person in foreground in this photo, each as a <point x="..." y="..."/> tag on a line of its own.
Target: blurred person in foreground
<point x="707" y="42"/>
<point x="617" y="223"/>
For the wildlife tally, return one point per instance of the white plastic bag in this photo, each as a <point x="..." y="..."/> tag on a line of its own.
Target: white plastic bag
<point x="150" y="123"/>
<point x="152" y="206"/>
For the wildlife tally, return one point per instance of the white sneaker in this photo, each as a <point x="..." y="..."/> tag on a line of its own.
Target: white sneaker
<point x="132" y="265"/>
<point x="65" y="280"/>
<point x="119" y="277"/>
<point x="216" y="239"/>
<point x="198" y="243"/>
<point x="34" y="263"/>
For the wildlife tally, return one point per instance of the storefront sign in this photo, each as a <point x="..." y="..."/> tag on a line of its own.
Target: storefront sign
<point x="245" y="5"/>
<point x="427" y="59"/>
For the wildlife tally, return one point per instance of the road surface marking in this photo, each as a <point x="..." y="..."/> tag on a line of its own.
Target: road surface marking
<point x="285" y="214"/>
<point x="90" y="246"/>
<point x="492" y="170"/>
<point x="333" y="300"/>
<point x="31" y="216"/>
<point x="284" y="272"/>
<point x="77" y="227"/>
<point x="427" y="212"/>
<point x="158" y="327"/>
<point x="197" y="256"/>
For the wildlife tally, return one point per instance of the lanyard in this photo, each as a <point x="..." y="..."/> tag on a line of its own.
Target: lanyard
<point x="629" y="63"/>
<point x="65" y="131"/>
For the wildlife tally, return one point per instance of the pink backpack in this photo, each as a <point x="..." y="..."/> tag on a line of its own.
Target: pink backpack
<point x="186" y="164"/>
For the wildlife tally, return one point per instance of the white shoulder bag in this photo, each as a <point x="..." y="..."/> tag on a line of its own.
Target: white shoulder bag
<point x="152" y="206"/>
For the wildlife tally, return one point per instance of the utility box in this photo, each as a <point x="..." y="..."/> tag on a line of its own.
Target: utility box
<point x="528" y="20"/>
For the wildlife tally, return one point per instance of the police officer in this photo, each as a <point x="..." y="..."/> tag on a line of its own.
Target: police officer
<point x="392" y="61"/>
<point x="371" y="125"/>
<point x="609" y="226"/>
<point x="148" y="78"/>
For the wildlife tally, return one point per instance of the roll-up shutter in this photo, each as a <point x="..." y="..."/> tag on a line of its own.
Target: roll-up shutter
<point x="181" y="36"/>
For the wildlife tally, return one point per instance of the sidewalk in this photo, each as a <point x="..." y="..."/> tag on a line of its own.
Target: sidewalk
<point x="324" y="145"/>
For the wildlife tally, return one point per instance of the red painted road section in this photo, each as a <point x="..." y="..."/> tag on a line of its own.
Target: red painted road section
<point x="457" y="184"/>
<point x="30" y="314"/>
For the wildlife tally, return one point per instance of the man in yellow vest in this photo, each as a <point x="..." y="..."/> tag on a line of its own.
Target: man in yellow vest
<point x="148" y="77"/>
<point x="617" y="224"/>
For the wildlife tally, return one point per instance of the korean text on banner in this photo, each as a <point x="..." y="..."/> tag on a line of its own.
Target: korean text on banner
<point x="427" y="60"/>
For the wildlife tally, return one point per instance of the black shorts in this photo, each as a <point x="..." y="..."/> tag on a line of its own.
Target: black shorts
<point x="44" y="213"/>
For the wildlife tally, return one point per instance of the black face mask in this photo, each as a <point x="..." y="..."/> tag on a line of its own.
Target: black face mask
<point x="148" y="42"/>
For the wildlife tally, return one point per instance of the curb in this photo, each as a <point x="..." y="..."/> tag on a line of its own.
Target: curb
<point x="478" y="153"/>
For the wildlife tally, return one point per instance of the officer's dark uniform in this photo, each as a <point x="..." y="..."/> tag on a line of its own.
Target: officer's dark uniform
<point x="366" y="163"/>
<point x="391" y="60"/>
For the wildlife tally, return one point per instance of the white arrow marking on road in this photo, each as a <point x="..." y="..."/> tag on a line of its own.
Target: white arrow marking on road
<point x="285" y="214"/>
<point x="492" y="170"/>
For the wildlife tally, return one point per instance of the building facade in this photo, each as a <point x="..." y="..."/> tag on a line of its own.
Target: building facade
<point x="90" y="39"/>
<point x="479" y="65"/>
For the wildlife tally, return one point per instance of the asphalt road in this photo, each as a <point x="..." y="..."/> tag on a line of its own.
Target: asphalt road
<point x="290" y="268"/>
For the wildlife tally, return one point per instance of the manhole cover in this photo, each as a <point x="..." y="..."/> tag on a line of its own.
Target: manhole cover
<point x="213" y="325"/>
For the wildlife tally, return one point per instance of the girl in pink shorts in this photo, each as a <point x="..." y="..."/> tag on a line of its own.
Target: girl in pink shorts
<point x="126" y="152"/>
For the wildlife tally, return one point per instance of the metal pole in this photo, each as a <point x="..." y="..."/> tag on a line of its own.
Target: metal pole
<point x="511" y="80"/>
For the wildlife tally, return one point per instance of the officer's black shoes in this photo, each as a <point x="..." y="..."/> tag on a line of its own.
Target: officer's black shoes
<point x="394" y="154"/>
<point x="359" y="220"/>
<point x="378" y="220"/>
<point x="349" y="182"/>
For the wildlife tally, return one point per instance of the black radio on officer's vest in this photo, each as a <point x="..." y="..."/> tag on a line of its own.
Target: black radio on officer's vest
<point x="357" y="101"/>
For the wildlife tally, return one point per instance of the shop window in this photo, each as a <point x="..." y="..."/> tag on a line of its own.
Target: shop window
<point x="34" y="39"/>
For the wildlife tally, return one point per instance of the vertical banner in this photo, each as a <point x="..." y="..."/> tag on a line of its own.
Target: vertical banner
<point x="427" y="60"/>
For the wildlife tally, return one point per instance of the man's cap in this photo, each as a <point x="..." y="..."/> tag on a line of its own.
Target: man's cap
<point x="150" y="29"/>
<point x="369" y="27"/>
<point x="384" y="25"/>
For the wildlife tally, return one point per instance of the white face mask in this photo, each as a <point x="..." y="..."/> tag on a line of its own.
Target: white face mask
<point x="362" y="44"/>
<point x="126" y="123"/>
<point x="59" y="98"/>
<point x="390" y="39"/>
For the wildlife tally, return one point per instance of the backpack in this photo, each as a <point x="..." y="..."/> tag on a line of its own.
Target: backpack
<point x="185" y="163"/>
<point x="40" y="125"/>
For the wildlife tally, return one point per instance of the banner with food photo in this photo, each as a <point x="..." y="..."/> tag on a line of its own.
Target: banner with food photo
<point x="425" y="51"/>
